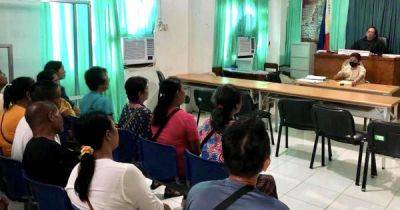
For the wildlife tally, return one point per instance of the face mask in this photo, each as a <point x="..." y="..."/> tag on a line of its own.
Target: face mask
<point x="353" y="64"/>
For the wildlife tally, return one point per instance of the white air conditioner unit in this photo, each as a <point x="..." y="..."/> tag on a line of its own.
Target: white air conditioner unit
<point x="138" y="51"/>
<point x="246" y="47"/>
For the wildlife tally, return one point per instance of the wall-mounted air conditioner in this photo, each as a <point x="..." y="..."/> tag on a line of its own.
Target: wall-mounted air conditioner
<point x="138" y="51"/>
<point x="246" y="47"/>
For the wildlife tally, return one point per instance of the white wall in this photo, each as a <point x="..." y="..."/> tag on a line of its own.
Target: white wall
<point x="20" y="26"/>
<point x="187" y="46"/>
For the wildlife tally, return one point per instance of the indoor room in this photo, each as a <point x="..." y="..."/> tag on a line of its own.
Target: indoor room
<point x="199" y="104"/>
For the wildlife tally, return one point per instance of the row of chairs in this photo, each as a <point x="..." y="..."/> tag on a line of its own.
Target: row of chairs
<point x="331" y="123"/>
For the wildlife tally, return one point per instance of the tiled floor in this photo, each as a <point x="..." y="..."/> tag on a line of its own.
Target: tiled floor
<point x="330" y="187"/>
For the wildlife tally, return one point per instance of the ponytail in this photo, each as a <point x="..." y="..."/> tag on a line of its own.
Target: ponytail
<point x="85" y="175"/>
<point x="90" y="131"/>
<point x="226" y="99"/>
<point x="8" y="97"/>
<point x="166" y="96"/>
<point x="17" y="90"/>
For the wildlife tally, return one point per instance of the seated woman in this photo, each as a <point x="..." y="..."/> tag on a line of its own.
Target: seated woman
<point x="135" y="116"/>
<point x="97" y="81"/>
<point x="62" y="104"/>
<point x="174" y="126"/>
<point x="228" y="101"/>
<point x="247" y="152"/>
<point x="16" y="100"/>
<point x="352" y="70"/>
<point x="98" y="182"/>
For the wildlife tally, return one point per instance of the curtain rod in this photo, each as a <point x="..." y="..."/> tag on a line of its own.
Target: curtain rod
<point x="69" y="1"/>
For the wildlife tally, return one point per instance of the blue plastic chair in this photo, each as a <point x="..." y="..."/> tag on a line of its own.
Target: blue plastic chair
<point x="48" y="196"/>
<point x="16" y="186"/>
<point x="127" y="150"/>
<point x="159" y="161"/>
<point x="200" y="170"/>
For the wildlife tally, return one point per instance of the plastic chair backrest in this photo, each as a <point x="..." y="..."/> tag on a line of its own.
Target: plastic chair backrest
<point x="334" y="123"/>
<point x="48" y="196"/>
<point x="384" y="138"/>
<point x="203" y="99"/>
<point x="158" y="160"/>
<point x="200" y="170"/>
<point x="127" y="150"/>
<point x="16" y="186"/>
<point x="296" y="113"/>
<point x="248" y="107"/>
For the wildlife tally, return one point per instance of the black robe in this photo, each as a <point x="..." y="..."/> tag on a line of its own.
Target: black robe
<point x="375" y="46"/>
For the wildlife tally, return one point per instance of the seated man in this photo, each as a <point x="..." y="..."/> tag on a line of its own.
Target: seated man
<point x="246" y="151"/>
<point x="42" y="91"/>
<point x="352" y="70"/>
<point x="44" y="159"/>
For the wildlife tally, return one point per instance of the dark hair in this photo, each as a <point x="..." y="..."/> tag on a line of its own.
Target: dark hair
<point x="17" y="90"/>
<point x="94" y="77"/>
<point x="245" y="146"/>
<point x="53" y="65"/>
<point x="356" y="55"/>
<point x="45" y="91"/>
<point x="36" y="113"/>
<point x="225" y="99"/>
<point x="133" y="86"/>
<point x="89" y="130"/>
<point x="46" y="75"/>
<point x="166" y="95"/>
<point x="376" y="31"/>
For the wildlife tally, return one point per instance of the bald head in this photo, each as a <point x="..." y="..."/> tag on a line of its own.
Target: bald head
<point x="43" y="116"/>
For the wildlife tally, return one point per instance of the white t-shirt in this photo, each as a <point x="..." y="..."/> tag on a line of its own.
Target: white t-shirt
<point x="115" y="186"/>
<point x="23" y="133"/>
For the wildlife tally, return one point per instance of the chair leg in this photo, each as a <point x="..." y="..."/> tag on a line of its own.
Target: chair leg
<point x="314" y="151"/>
<point x="329" y="150"/>
<point x="359" y="163"/>
<point x="365" y="176"/>
<point x="279" y="141"/>
<point x="374" y="172"/>
<point x="323" y="151"/>
<point x="272" y="131"/>
<point x="365" y="124"/>
<point x="198" y="117"/>
<point x="287" y="137"/>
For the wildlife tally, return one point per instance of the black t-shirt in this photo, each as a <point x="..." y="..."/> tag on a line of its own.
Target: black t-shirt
<point x="375" y="46"/>
<point x="48" y="162"/>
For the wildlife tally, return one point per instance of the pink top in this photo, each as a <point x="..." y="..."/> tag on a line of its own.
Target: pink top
<point x="179" y="131"/>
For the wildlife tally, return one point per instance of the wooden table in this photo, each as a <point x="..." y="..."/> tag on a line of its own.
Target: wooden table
<point x="387" y="104"/>
<point x="380" y="70"/>
<point x="370" y="88"/>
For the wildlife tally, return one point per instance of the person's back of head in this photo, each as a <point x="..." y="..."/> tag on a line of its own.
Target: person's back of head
<point x="52" y="65"/>
<point x="168" y="92"/>
<point x="18" y="90"/>
<point x="227" y="100"/>
<point x="94" y="131"/>
<point x="49" y="75"/>
<point x="246" y="148"/>
<point x="96" y="77"/>
<point x="43" y="116"/>
<point x="134" y="87"/>
<point x="46" y="91"/>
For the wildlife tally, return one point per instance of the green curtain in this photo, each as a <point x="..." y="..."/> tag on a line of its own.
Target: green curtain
<point x="235" y="18"/>
<point x="293" y="28"/>
<point x="340" y="9"/>
<point x="107" y="50"/>
<point x="137" y="18"/>
<point x="383" y="14"/>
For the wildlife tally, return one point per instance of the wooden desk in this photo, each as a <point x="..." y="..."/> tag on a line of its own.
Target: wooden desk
<point x="380" y="70"/>
<point x="370" y="88"/>
<point x="389" y="104"/>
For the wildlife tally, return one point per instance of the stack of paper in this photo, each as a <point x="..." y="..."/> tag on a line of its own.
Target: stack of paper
<point x="313" y="77"/>
<point x="312" y="81"/>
